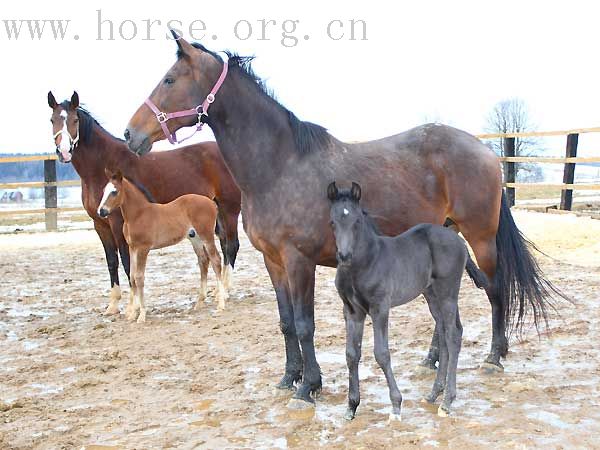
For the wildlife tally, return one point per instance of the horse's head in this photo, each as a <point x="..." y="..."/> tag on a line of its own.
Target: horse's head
<point x="65" y="126"/>
<point x="113" y="194"/>
<point x="346" y="219"/>
<point x="185" y="86"/>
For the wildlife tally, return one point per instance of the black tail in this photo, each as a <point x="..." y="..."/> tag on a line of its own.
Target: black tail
<point x="519" y="281"/>
<point x="479" y="278"/>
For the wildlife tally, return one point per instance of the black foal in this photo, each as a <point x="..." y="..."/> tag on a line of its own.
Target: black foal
<point x="376" y="273"/>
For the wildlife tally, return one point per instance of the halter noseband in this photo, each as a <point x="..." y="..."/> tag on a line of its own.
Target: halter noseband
<point x="200" y="110"/>
<point x="72" y="142"/>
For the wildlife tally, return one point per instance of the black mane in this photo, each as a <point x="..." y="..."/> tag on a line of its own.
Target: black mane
<point x="142" y="189"/>
<point x="307" y="135"/>
<point x="86" y="123"/>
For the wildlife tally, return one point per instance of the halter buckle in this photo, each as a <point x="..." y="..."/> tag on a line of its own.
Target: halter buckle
<point x="210" y="98"/>
<point x="161" y="117"/>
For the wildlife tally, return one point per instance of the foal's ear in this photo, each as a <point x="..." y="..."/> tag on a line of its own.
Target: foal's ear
<point x="185" y="48"/>
<point x="332" y="191"/>
<point x="108" y="174"/>
<point x="75" y="100"/>
<point x="52" y="103"/>
<point x="355" y="191"/>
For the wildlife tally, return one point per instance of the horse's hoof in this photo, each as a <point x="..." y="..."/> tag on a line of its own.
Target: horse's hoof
<point x="427" y="365"/>
<point x="429" y="399"/>
<point x="491" y="368"/>
<point x="304" y="394"/>
<point x="112" y="311"/>
<point x="350" y="413"/>
<point x="394" y="418"/>
<point x="287" y="383"/>
<point x="443" y="411"/>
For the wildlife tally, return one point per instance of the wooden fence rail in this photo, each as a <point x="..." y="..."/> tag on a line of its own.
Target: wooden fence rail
<point x="569" y="161"/>
<point x="51" y="185"/>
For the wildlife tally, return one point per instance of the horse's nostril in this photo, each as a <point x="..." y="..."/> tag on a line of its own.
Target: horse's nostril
<point x="127" y="135"/>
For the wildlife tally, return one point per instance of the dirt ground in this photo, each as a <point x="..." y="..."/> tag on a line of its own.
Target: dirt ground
<point x="72" y="378"/>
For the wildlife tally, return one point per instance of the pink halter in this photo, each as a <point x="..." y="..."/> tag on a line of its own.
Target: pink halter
<point x="200" y="110"/>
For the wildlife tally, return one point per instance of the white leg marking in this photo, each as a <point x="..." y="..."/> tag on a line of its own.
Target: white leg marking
<point x="113" y="305"/>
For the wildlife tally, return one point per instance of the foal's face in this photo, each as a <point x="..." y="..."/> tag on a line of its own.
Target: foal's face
<point x="346" y="220"/>
<point x="65" y="126"/>
<point x="112" y="197"/>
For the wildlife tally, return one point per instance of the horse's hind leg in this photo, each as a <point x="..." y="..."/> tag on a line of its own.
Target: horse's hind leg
<point x="453" y="339"/>
<point x="215" y="262"/>
<point x="355" y="321"/>
<point x="229" y="222"/>
<point x="203" y="261"/>
<point x="486" y="255"/>
<point x="380" y="314"/>
<point x="434" y="303"/>
<point x="433" y="356"/>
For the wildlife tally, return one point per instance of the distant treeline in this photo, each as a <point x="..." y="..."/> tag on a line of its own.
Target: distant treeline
<point x="32" y="170"/>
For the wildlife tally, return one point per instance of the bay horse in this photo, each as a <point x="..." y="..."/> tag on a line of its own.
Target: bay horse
<point x="195" y="169"/>
<point x="283" y="165"/>
<point x="149" y="225"/>
<point x="376" y="273"/>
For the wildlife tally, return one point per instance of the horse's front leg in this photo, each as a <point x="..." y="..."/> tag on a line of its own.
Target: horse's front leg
<point x="355" y="321"/>
<point x="293" y="364"/>
<point x="301" y="278"/>
<point x="112" y="261"/>
<point x="380" y="314"/>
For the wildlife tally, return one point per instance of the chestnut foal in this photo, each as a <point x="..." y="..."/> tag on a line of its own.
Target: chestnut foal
<point x="148" y="226"/>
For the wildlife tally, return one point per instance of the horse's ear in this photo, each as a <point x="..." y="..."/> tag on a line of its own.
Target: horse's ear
<point x="75" y="100"/>
<point x="185" y="48"/>
<point x="332" y="191"/>
<point x="355" y="191"/>
<point x="52" y="103"/>
<point x="108" y="174"/>
<point x="118" y="176"/>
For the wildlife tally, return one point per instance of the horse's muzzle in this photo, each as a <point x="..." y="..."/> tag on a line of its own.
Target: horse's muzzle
<point x="343" y="258"/>
<point x="138" y="143"/>
<point x="103" y="212"/>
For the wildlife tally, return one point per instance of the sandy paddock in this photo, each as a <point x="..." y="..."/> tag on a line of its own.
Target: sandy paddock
<point x="71" y="378"/>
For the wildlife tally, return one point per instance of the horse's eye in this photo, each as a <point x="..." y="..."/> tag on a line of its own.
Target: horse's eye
<point x="52" y="121"/>
<point x="169" y="81"/>
<point x="113" y="193"/>
<point x="76" y="121"/>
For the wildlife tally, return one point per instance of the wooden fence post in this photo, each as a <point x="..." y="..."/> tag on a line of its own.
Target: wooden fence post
<point x="50" y="195"/>
<point x="509" y="169"/>
<point x="566" y="195"/>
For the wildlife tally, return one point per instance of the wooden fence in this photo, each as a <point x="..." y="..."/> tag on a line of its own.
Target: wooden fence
<point x="51" y="185"/>
<point x="570" y="160"/>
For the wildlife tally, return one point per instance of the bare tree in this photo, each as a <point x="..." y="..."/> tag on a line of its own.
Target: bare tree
<point x="512" y="116"/>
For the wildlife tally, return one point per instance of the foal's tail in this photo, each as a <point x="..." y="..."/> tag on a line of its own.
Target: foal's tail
<point x="479" y="278"/>
<point x="519" y="281"/>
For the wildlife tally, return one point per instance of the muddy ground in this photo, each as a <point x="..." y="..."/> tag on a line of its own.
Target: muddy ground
<point x="72" y="378"/>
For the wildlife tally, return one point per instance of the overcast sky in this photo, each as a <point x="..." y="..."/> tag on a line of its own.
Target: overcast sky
<point x="421" y="60"/>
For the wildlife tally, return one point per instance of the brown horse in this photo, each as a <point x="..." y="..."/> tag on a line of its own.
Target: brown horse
<point x="149" y="226"/>
<point x="195" y="169"/>
<point x="284" y="165"/>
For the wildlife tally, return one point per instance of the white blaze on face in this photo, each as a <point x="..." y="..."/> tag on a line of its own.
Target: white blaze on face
<point x="65" y="140"/>
<point x="346" y="212"/>
<point x="108" y="189"/>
